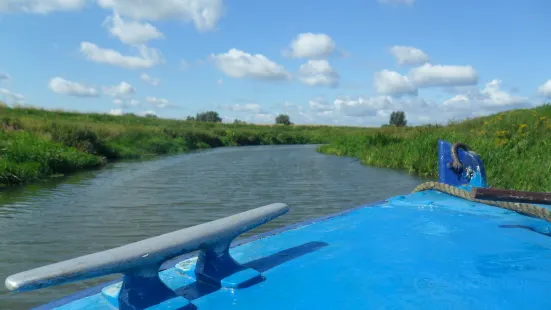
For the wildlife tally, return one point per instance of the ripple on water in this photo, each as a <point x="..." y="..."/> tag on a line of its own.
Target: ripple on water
<point x="129" y="201"/>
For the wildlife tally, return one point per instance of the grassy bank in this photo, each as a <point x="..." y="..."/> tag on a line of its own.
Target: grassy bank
<point x="36" y="144"/>
<point x="515" y="147"/>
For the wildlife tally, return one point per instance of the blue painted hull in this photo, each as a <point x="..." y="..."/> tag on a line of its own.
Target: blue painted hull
<point x="427" y="250"/>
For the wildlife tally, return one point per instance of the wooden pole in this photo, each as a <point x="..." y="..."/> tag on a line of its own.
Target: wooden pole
<point x="510" y="195"/>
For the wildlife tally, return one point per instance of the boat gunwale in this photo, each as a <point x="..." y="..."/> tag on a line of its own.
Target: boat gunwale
<point x="172" y="262"/>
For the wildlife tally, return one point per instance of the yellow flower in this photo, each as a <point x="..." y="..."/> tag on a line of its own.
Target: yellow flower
<point x="522" y="126"/>
<point x="501" y="142"/>
<point x="485" y="123"/>
<point x="498" y="117"/>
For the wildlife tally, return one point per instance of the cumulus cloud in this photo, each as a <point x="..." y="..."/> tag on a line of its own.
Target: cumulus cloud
<point x="318" y="73"/>
<point x="120" y="91"/>
<point x="115" y="112"/>
<point x="158" y="102"/>
<point x="491" y="98"/>
<point x="64" y="87"/>
<point x="474" y="102"/>
<point x="148" y="57"/>
<point x="203" y="13"/>
<point x="126" y="102"/>
<point x="239" y="64"/>
<point x="429" y="75"/>
<point x="7" y="94"/>
<point x="545" y="89"/>
<point x="147" y="113"/>
<point x="311" y="45"/>
<point x="362" y="106"/>
<point x="408" y="55"/>
<point x="150" y="80"/>
<point x="248" y="107"/>
<point x="393" y="83"/>
<point x="131" y="32"/>
<point x="40" y="6"/>
<point x="320" y="105"/>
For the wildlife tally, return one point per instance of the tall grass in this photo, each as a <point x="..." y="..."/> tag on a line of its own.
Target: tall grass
<point x="515" y="147"/>
<point x="36" y="143"/>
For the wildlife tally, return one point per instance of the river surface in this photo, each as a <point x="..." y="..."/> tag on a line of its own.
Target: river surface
<point x="129" y="201"/>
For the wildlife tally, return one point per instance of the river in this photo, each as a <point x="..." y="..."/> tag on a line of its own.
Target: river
<point x="128" y="201"/>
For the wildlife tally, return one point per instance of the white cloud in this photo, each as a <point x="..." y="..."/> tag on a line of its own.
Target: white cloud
<point x="545" y="89"/>
<point x="148" y="57"/>
<point x="261" y="118"/>
<point x="148" y="79"/>
<point x="407" y="55"/>
<point x="11" y="95"/>
<point x="492" y="97"/>
<point x="375" y="111"/>
<point x="318" y="73"/>
<point x="239" y="64"/>
<point x="64" y="87"/>
<point x="122" y="90"/>
<point x="311" y="45"/>
<point x="203" y="13"/>
<point x="146" y="113"/>
<point x="115" y="112"/>
<point x="388" y="82"/>
<point x="408" y="2"/>
<point x="158" y="102"/>
<point x="320" y="105"/>
<point x="248" y="107"/>
<point x="131" y="32"/>
<point x="429" y="75"/>
<point x="40" y="6"/>
<point x="126" y="103"/>
<point x="362" y="106"/>
<point x="4" y="77"/>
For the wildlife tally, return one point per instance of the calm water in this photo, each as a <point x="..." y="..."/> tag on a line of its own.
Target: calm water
<point x="129" y="201"/>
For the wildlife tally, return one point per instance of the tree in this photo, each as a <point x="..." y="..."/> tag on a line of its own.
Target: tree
<point x="239" y="122"/>
<point x="398" y="119"/>
<point x="209" y="116"/>
<point x="190" y="118"/>
<point x="283" y="119"/>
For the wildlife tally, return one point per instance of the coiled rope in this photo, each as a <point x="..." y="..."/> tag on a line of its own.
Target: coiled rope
<point x="523" y="208"/>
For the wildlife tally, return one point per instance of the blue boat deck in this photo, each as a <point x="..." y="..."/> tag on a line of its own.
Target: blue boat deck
<point x="433" y="249"/>
<point x="426" y="250"/>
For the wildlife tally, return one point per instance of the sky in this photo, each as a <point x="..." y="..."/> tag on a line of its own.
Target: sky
<point x="348" y="62"/>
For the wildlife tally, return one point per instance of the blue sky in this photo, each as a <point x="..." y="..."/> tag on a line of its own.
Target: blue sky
<point x="346" y="62"/>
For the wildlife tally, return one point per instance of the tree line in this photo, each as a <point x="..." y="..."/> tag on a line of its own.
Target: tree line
<point x="397" y="118"/>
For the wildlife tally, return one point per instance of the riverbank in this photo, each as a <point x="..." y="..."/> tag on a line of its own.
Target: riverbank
<point x="515" y="147"/>
<point x="36" y="144"/>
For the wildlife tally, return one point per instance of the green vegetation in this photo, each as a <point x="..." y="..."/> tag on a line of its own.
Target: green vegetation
<point x="283" y="119"/>
<point x="35" y="143"/>
<point x="515" y="147"/>
<point x="398" y="119"/>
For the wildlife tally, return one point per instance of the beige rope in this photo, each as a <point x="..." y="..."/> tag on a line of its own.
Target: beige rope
<point x="524" y="208"/>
